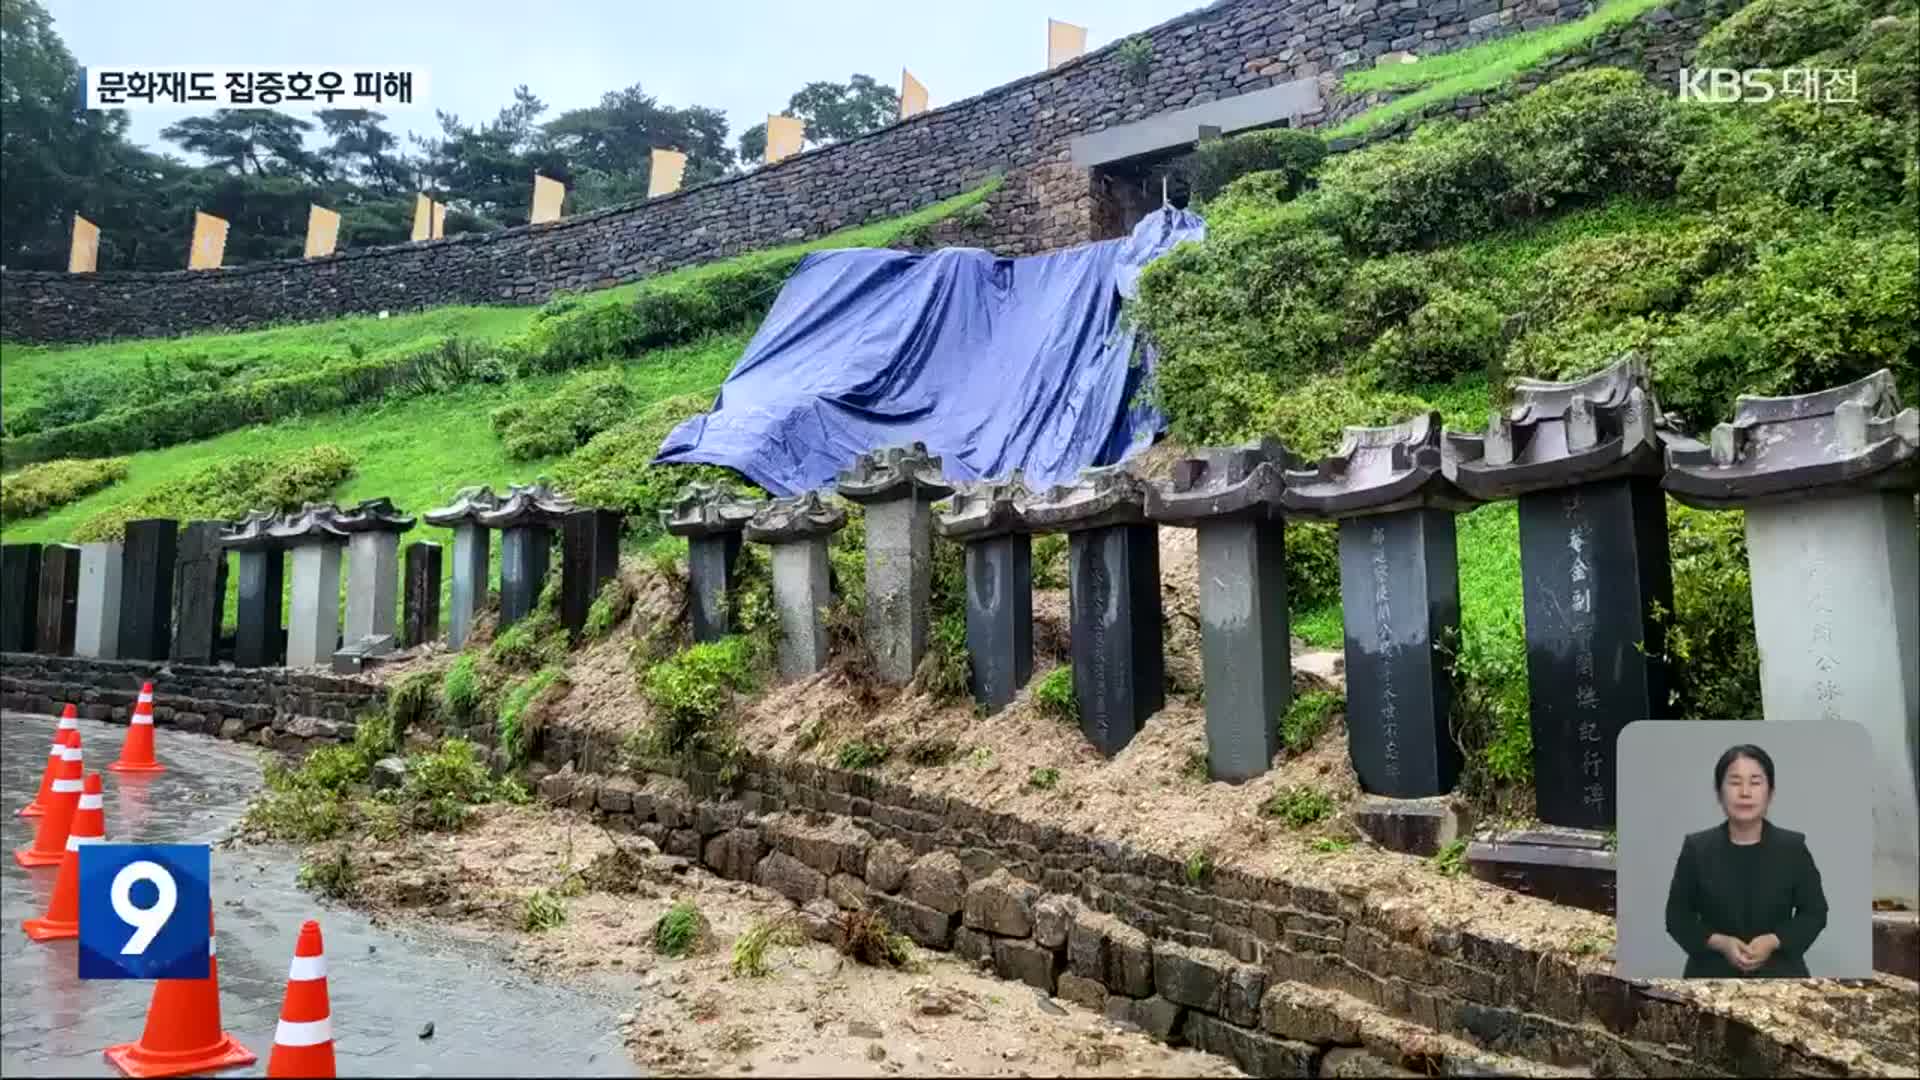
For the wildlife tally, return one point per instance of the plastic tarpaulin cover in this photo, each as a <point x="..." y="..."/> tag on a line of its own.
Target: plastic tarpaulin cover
<point x="995" y="364"/>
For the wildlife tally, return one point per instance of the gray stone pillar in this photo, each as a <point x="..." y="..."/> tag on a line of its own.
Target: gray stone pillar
<point x="1827" y="481"/>
<point x="711" y="519"/>
<point x="1392" y="490"/>
<point x="1583" y="459"/>
<point x="798" y="530"/>
<point x="59" y="599"/>
<point x="373" y="577"/>
<point x="1232" y="498"/>
<point x="526" y="517"/>
<point x="199" y="591"/>
<point x="898" y="486"/>
<point x="589" y="556"/>
<point x="315" y="541"/>
<point x="146" y="588"/>
<point x="262" y="574"/>
<point x="999" y="588"/>
<point x="1113" y="577"/>
<point x="97" y="632"/>
<point x="19" y="596"/>
<point x="421" y="604"/>
<point x="471" y="558"/>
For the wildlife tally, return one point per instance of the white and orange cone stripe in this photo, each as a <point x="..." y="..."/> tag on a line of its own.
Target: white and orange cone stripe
<point x="143" y="708"/>
<point x="303" y="1043"/>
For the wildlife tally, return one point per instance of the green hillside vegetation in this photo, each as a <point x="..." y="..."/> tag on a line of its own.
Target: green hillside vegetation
<point x="124" y="397"/>
<point x="1752" y="248"/>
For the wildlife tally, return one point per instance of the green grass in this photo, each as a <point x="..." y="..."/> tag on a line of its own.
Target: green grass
<point x="27" y="371"/>
<point x="1447" y="76"/>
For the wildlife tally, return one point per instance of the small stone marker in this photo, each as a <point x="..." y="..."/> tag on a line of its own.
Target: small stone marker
<point x="19" y="596"/>
<point x="146" y="588"/>
<point x="1827" y="482"/>
<point x="1232" y="498"/>
<point x="1392" y="491"/>
<point x="471" y="555"/>
<point x="262" y="559"/>
<point x="711" y="519"/>
<point x="420" y="621"/>
<point x="589" y="556"/>
<point x="798" y="530"/>
<point x="999" y="558"/>
<point x="526" y="517"/>
<point x="97" y="632"/>
<point x="199" y="591"/>
<point x="59" y="599"/>
<point x="1113" y="573"/>
<point x="1584" y="459"/>
<point x="898" y="486"/>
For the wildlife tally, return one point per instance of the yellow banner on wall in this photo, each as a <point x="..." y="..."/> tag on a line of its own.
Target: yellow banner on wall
<point x="913" y="96"/>
<point x="439" y="220"/>
<point x="428" y="216"/>
<point x="84" y="257"/>
<point x="209" y="242"/>
<point x="547" y="197"/>
<point x="665" y="171"/>
<point x="1065" y="42"/>
<point x="786" y="135"/>
<point x="323" y="231"/>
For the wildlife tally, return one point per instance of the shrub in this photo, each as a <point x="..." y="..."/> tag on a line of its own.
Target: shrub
<point x="1284" y="159"/>
<point x="1135" y="56"/>
<point x="335" y="877"/>
<point x="460" y="691"/>
<point x="614" y="469"/>
<point x="1199" y="866"/>
<point x="1450" y="860"/>
<point x="538" y="640"/>
<point x="1710" y="633"/>
<point x="516" y="729"/>
<point x="1774" y="33"/>
<point x="229" y="488"/>
<point x="1309" y="419"/>
<point x="1043" y="778"/>
<point x="1307" y="717"/>
<point x="448" y="778"/>
<point x="1053" y="694"/>
<point x="866" y="937"/>
<point x="690" y="692"/>
<point x="579" y="409"/>
<point x="750" y="948"/>
<point x="180" y="418"/>
<point x="862" y="754"/>
<point x="1490" y="720"/>
<point x="945" y="669"/>
<point x="1298" y="807"/>
<point x="681" y="930"/>
<point x="606" y="611"/>
<point x="1798" y="152"/>
<point x="542" y="910"/>
<point x="1050" y="561"/>
<point x="1313" y="565"/>
<point x="1454" y="333"/>
<point x="414" y="700"/>
<point x="37" y="489"/>
<point x="1383" y="293"/>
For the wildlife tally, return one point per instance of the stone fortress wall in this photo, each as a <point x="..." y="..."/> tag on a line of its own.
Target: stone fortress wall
<point x="1021" y="131"/>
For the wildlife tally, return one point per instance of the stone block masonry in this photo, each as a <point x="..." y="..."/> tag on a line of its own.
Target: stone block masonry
<point x="272" y="707"/>
<point x="1285" y="977"/>
<point x="1020" y="130"/>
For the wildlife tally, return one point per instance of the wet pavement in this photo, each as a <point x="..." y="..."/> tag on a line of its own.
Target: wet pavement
<point x="385" y="984"/>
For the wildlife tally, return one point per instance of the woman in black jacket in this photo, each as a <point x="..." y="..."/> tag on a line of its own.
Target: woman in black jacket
<point x="1745" y="901"/>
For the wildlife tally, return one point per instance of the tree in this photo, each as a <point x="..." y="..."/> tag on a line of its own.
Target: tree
<point x="364" y="151"/>
<point x="835" y="112"/>
<point x="611" y="144"/>
<point x="50" y="153"/>
<point x="487" y="171"/>
<point x="753" y="145"/>
<point x="273" y="143"/>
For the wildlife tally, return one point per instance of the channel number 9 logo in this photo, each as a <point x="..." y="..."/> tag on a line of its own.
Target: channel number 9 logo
<point x="145" y="911"/>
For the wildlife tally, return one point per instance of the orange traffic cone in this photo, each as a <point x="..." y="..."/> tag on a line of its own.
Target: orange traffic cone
<point x="50" y="842"/>
<point x="183" y="1033"/>
<point x="62" y="919"/>
<point x="136" y="754"/>
<point x="69" y="721"/>
<point x="303" y="1044"/>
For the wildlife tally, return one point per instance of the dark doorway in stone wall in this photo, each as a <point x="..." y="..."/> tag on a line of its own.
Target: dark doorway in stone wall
<point x="1125" y="193"/>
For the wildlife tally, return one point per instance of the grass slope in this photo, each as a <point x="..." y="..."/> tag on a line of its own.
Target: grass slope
<point x="30" y="373"/>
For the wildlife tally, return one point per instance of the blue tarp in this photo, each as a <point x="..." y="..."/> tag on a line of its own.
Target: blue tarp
<point x="995" y="364"/>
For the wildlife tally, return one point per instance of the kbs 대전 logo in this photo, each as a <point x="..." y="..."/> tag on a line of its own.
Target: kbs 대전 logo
<point x="1725" y="86"/>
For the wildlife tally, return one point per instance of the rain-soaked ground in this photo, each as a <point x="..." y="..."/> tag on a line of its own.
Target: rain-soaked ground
<point x="385" y="986"/>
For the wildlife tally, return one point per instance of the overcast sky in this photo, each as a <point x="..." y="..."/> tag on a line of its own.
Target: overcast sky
<point x="742" y="56"/>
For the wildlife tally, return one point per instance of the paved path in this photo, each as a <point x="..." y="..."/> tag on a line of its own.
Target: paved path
<point x="489" y="1020"/>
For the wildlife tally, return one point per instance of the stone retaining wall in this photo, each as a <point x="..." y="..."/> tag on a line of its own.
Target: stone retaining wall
<point x="1021" y="130"/>
<point x="1273" y="974"/>
<point x="287" y="710"/>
